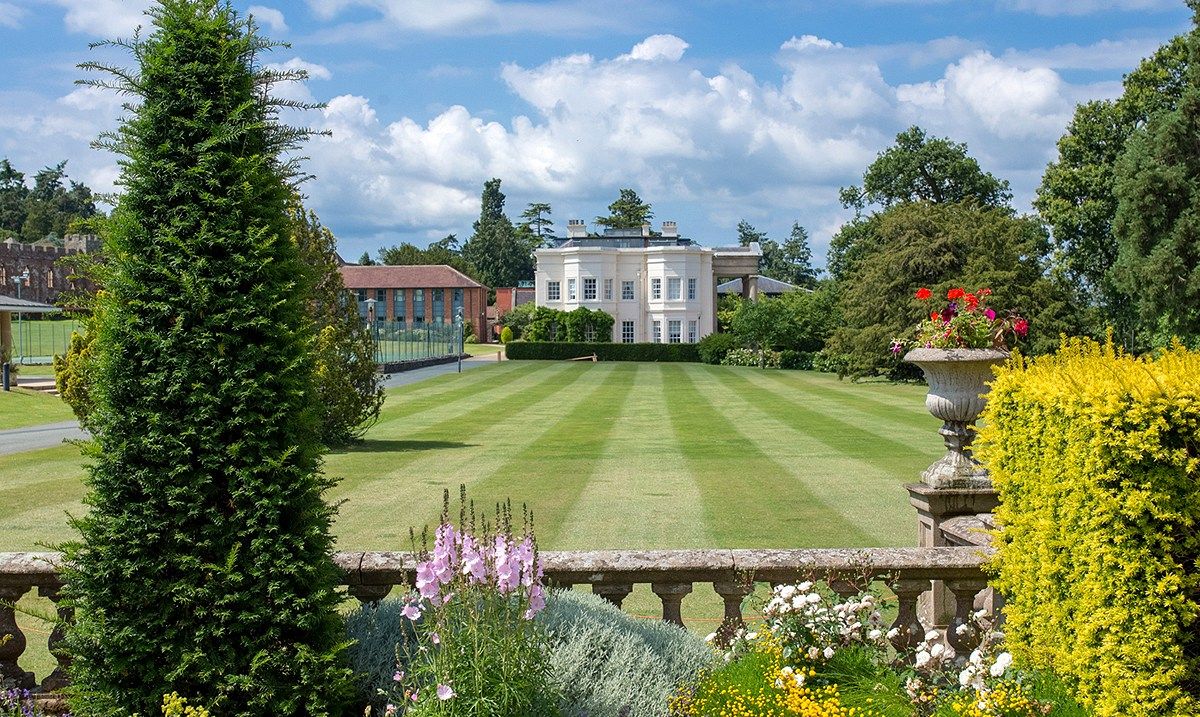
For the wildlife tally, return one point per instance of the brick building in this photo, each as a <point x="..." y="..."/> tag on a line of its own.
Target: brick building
<point x="418" y="295"/>
<point x="47" y="277"/>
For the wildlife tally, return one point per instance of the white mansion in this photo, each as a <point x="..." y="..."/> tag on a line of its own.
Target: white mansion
<point x="657" y="288"/>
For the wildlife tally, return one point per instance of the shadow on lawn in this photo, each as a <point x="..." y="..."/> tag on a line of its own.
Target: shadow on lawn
<point x="390" y="445"/>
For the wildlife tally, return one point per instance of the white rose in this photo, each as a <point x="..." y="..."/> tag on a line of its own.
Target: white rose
<point x="829" y="651"/>
<point x="804" y="586"/>
<point x="932" y="635"/>
<point x="964" y="677"/>
<point x="874" y="634"/>
<point x="1003" y="660"/>
<point x="813" y="653"/>
<point x="893" y="633"/>
<point x="937" y="650"/>
<point x="922" y="659"/>
<point x="711" y="636"/>
<point x="813" y="598"/>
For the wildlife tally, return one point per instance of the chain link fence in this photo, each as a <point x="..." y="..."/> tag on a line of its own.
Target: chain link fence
<point x="38" y="341"/>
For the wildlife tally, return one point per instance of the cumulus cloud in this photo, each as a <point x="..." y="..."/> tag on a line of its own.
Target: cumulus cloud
<point x="1087" y="7"/>
<point x="103" y="18"/>
<point x="268" y="16"/>
<point x="737" y="144"/>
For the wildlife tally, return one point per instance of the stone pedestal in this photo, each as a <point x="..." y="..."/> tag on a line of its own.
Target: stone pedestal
<point x="934" y="507"/>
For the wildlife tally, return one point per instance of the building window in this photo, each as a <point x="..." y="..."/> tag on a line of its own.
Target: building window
<point x="673" y="289"/>
<point x="418" y="307"/>
<point x="658" y="332"/>
<point x="362" y="302"/>
<point x="608" y="289"/>
<point x="381" y="304"/>
<point x="692" y="331"/>
<point x="456" y="307"/>
<point x="589" y="333"/>
<point x="626" y="332"/>
<point x="691" y="289"/>
<point x="626" y="291"/>
<point x="439" y="305"/>
<point x="570" y="289"/>
<point x="553" y="291"/>
<point x="398" y="301"/>
<point x="656" y="289"/>
<point x="673" y="331"/>
<point x="589" y="289"/>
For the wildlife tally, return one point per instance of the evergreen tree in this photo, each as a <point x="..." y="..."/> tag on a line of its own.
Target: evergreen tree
<point x="1156" y="224"/>
<point x="365" y="259"/>
<point x="500" y="257"/>
<point x="349" y="393"/>
<point x="13" y="194"/>
<point x="537" y="221"/>
<point x="747" y="234"/>
<point x="628" y="211"/>
<point x="797" y="256"/>
<point x="205" y="561"/>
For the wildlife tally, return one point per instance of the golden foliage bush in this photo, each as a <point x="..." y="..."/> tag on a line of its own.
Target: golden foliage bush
<point x="1096" y="455"/>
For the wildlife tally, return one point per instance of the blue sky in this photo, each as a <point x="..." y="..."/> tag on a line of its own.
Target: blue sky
<point x="713" y="110"/>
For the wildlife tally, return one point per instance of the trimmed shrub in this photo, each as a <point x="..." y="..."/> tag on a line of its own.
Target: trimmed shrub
<point x="1096" y="456"/>
<point x="204" y="565"/>
<point x="506" y="335"/>
<point x="795" y="360"/>
<point x="605" y="661"/>
<point x="750" y="357"/>
<point x="560" y="350"/>
<point x="713" y="347"/>
<point x="73" y="374"/>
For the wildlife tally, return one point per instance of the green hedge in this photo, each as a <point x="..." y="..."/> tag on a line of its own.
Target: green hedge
<point x="557" y="351"/>
<point x="1096" y="456"/>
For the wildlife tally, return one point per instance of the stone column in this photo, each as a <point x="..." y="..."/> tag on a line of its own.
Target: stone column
<point x="753" y="279"/>
<point x="716" y="299"/>
<point x="934" y="507"/>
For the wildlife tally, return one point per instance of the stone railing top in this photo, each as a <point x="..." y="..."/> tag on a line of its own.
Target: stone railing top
<point x="631" y="566"/>
<point x="969" y="529"/>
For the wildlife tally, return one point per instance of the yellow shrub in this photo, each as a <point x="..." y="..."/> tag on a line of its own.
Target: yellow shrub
<point x="1096" y="456"/>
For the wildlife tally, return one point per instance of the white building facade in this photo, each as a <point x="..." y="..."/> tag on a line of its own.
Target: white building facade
<point x="660" y="289"/>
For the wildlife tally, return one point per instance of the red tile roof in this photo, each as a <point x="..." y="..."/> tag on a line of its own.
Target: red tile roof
<point x="421" y="276"/>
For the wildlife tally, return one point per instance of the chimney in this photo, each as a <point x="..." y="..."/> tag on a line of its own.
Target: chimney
<point x="576" y="229"/>
<point x="645" y="229"/>
<point x="670" y="229"/>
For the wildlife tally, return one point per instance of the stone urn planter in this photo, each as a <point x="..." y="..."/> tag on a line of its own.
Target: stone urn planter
<point x="957" y="394"/>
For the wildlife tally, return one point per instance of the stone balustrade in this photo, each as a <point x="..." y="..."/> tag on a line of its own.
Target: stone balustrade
<point x="671" y="574"/>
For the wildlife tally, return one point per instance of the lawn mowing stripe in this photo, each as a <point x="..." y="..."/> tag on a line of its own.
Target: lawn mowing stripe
<point x="845" y="483"/>
<point x="387" y="499"/>
<point x="565" y="455"/>
<point x="634" y="473"/>
<point x="907" y="421"/>
<point x="442" y="390"/>
<point x="875" y="391"/>
<point x="843" y="436"/>
<point x="750" y="500"/>
<point x="39" y="487"/>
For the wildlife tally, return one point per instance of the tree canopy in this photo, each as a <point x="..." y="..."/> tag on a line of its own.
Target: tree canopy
<point x="499" y="254"/>
<point x="628" y="211"/>
<point x="1157" y="220"/>
<point x="47" y="209"/>
<point x="919" y="168"/>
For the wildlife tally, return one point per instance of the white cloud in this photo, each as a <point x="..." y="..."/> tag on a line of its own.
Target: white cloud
<point x="268" y="16"/>
<point x="10" y="15"/>
<point x="1102" y="55"/>
<point x="469" y="17"/>
<point x="315" y="71"/>
<point x="734" y="143"/>
<point x="104" y="18"/>
<point x="659" y="47"/>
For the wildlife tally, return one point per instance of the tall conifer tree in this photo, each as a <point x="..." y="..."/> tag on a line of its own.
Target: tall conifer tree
<point x="205" y="564"/>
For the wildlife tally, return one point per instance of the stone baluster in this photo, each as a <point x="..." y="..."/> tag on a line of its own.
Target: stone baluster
<point x="56" y="681"/>
<point x="843" y="588"/>
<point x="908" y="592"/>
<point x="369" y="594"/>
<point x="615" y="593"/>
<point x="672" y="595"/>
<point x="12" y="640"/>
<point x="964" y="592"/>
<point x="732" y="593"/>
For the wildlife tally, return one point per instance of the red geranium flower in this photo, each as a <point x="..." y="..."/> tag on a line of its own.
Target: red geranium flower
<point x="972" y="301"/>
<point x="934" y="316"/>
<point x="924" y="293"/>
<point x="954" y="294"/>
<point x="1021" y="327"/>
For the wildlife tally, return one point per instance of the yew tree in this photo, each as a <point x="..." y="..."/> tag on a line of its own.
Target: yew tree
<point x="204" y="564"/>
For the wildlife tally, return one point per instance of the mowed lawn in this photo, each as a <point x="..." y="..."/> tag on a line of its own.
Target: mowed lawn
<point x="608" y="455"/>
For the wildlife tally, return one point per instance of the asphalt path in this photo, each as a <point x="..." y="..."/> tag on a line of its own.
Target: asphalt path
<point x="48" y="435"/>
